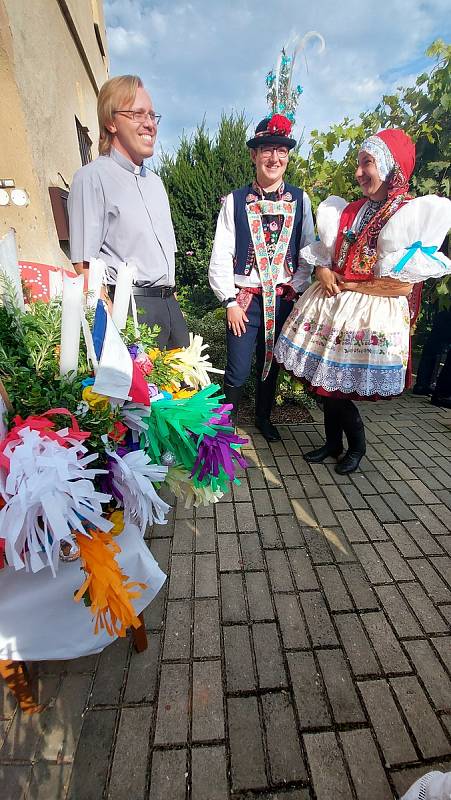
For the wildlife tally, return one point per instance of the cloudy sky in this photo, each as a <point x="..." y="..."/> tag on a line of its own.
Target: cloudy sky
<point x="204" y="57"/>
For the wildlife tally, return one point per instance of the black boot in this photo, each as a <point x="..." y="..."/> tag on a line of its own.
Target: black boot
<point x="265" y="393"/>
<point x="233" y="395"/>
<point x="355" y="433"/>
<point x="334" y="434"/>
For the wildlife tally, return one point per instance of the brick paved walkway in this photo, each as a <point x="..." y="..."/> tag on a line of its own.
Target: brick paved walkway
<point x="301" y="648"/>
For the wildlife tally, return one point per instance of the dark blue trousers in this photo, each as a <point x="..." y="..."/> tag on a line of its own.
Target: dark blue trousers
<point x="240" y="349"/>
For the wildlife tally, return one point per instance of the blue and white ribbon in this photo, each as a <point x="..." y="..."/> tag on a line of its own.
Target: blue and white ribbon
<point x="411" y="251"/>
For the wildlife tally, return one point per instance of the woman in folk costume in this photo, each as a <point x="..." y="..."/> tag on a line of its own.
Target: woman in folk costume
<point x="348" y="336"/>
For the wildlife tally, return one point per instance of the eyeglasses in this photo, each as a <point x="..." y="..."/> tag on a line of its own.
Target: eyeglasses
<point x="282" y="152"/>
<point x="140" y="116"/>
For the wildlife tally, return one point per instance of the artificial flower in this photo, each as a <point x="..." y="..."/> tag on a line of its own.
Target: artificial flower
<point x="95" y="400"/>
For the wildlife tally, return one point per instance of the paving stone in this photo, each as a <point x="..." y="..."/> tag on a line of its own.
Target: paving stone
<point x="280" y="501"/>
<point x="317" y="546"/>
<point x="47" y="780"/>
<point x="90" y="767"/>
<point x="398" y="611"/>
<point x="285" y="465"/>
<point x="402" y="540"/>
<point x="332" y="782"/>
<point x="209" y="773"/>
<point x="130" y="754"/>
<point x="178" y="630"/>
<point x="385" y="643"/>
<point x="246" y="747"/>
<point x="14" y="779"/>
<point x="206" y="578"/>
<point x="351" y="527"/>
<point x="290" y="531"/>
<point x="204" y="512"/>
<point x="341" y="549"/>
<point x="245" y="517"/>
<point x="110" y="673"/>
<point x="366" y="769"/>
<point x="255" y="477"/>
<point x="334" y="588"/>
<point x="293" y="487"/>
<point x="269" y="533"/>
<point x="168" y="776"/>
<point x="206" y="629"/>
<point x="142" y="673"/>
<point x="423" y="538"/>
<point x="302" y="569"/>
<point x="291" y="622"/>
<point x="268" y="656"/>
<point x="258" y="596"/>
<point x="160" y="549"/>
<point x="311" y="487"/>
<point x="353" y="496"/>
<point x="232" y="598"/>
<point x="430" y="580"/>
<point x="207" y="710"/>
<point x="335" y="498"/>
<point x="443" y="565"/>
<point x="443" y="513"/>
<point x="262" y="502"/>
<point x="225" y="520"/>
<point x="279" y="571"/>
<point x="181" y="577"/>
<point x="346" y="706"/>
<point x="370" y="525"/>
<point x="154" y="613"/>
<point x="205" y="540"/>
<point x="378" y="483"/>
<point x="318" y="620"/>
<point x="430" y="521"/>
<point x="372" y="563"/>
<point x="309" y="692"/>
<point x="430" y="619"/>
<point x="304" y="513"/>
<point x="183" y="538"/>
<point x="356" y="645"/>
<point x="359" y="587"/>
<point x="251" y="552"/>
<point x="238" y="659"/>
<point x="284" y="750"/>
<point x="241" y="493"/>
<point x="323" y="512"/>
<point x="386" y="720"/>
<point x="431" y="672"/>
<point x="172" y="715"/>
<point x="63" y="720"/>
<point x="229" y="553"/>
<point x="424" y="724"/>
<point x="394" y="562"/>
<point x="398" y="506"/>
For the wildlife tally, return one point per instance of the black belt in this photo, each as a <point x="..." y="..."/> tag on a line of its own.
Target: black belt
<point x="148" y="291"/>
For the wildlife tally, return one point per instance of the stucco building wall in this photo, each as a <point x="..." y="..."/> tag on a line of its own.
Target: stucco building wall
<point x="51" y="68"/>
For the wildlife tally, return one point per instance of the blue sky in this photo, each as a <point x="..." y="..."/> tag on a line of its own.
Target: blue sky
<point x="203" y="57"/>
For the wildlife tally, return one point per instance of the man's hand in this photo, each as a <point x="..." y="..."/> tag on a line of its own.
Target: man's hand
<point x="236" y="319"/>
<point x="328" y="281"/>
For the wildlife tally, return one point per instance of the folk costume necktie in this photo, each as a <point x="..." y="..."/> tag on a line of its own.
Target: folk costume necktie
<point x="268" y="269"/>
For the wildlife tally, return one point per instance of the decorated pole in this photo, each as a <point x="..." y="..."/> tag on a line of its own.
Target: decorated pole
<point x="71" y="323"/>
<point x="124" y="281"/>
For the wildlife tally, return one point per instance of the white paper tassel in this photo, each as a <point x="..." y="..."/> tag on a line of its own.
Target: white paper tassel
<point x="132" y="478"/>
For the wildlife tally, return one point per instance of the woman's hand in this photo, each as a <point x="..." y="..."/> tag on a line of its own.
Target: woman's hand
<point x="378" y="287"/>
<point x="236" y="320"/>
<point x="328" y="281"/>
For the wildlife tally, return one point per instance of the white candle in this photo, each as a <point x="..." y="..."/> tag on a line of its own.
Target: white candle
<point x="71" y="323"/>
<point x="55" y="283"/>
<point x="96" y="279"/>
<point x="124" y="281"/>
<point x="9" y="264"/>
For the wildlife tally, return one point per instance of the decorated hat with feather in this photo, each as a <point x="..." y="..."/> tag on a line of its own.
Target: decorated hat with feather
<point x="282" y="97"/>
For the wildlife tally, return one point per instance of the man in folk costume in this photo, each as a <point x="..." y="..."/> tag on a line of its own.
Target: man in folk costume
<point x="255" y="269"/>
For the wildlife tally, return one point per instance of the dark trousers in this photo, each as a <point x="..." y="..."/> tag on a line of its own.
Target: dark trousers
<point x="240" y="349"/>
<point x="166" y="313"/>
<point x="342" y="416"/>
<point x="438" y="339"/>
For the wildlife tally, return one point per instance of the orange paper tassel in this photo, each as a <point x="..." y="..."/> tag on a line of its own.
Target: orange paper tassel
<point x="109" y="593"/>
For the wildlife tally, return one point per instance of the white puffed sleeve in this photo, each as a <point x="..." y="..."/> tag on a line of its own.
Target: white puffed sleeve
<point x="320" y="253"/>
<point x="407" y="247"/>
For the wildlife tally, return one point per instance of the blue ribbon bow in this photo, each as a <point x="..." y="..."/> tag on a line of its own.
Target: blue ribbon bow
<point x="428" y="251"/>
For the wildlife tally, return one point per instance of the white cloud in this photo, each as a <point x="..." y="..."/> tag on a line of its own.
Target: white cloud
<point x="201" y="57"/>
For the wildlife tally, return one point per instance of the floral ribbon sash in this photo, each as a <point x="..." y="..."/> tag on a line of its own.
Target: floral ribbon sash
<point x="269" y="269"/>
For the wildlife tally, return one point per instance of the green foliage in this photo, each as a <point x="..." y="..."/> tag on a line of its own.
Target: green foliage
<point x="147" y="336"/>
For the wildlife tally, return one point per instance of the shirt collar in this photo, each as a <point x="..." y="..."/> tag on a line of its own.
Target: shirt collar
<point x="126" y="163"/>
<point x="279" y="192"/>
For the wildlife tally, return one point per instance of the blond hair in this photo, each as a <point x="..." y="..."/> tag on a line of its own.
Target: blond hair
<point x="119" y="92"/>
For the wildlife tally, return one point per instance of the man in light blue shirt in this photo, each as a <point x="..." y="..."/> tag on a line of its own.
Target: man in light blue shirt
<point x="119" y="210"/>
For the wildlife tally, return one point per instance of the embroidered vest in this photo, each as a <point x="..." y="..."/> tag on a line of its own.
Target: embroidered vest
<point x="244" y="258"/>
